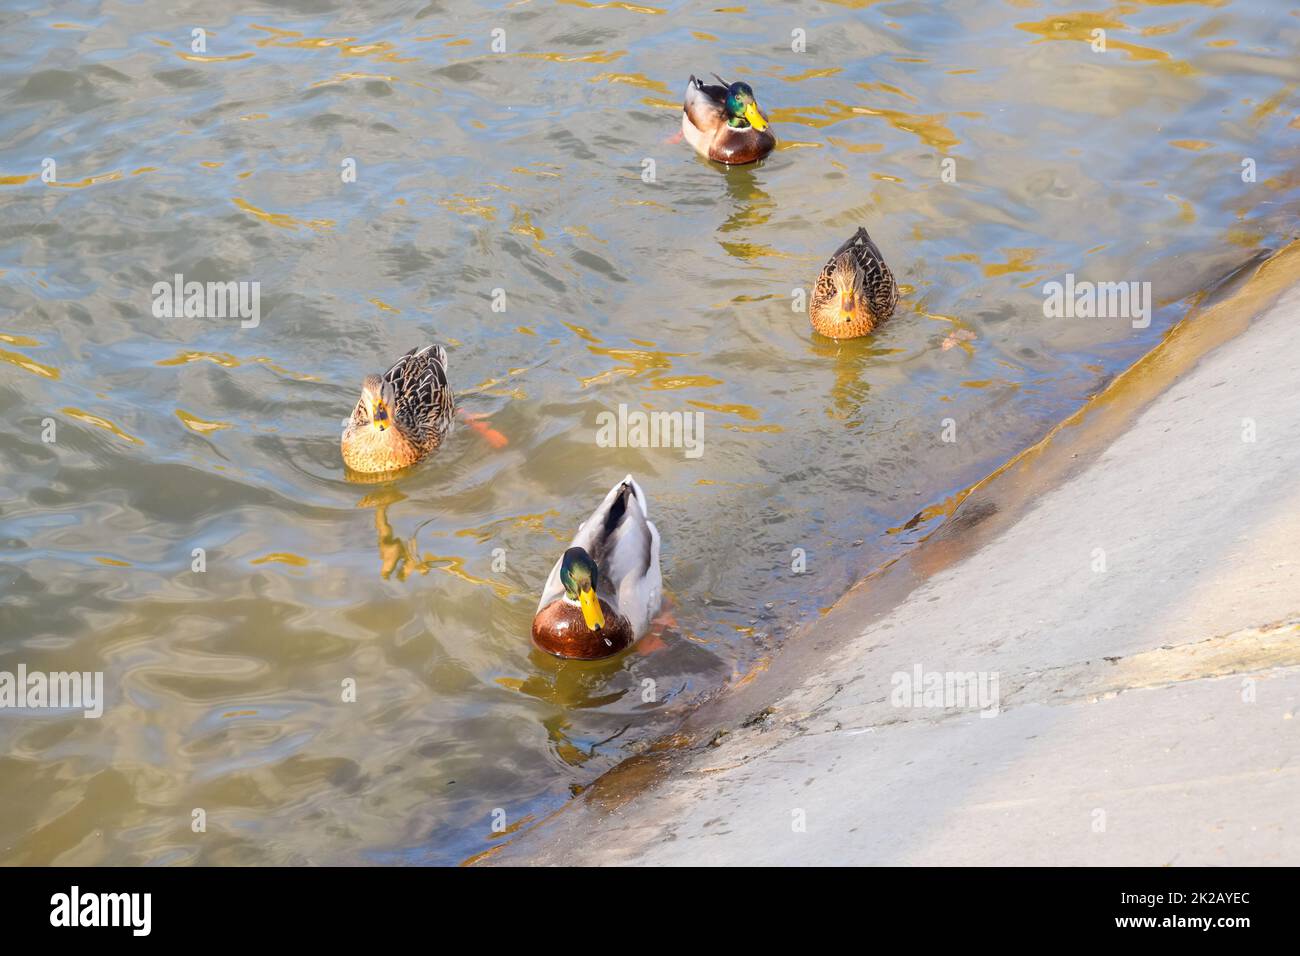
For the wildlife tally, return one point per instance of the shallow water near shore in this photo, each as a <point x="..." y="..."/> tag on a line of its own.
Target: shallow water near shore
<point x="525" y="171"/>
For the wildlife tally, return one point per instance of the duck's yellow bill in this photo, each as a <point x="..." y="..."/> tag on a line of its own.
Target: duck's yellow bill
<point x="754" y="117"/>
<point x="591" y="612"/>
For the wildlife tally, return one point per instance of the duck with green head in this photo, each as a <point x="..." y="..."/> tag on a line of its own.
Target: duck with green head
<point x="724" y="123"/>
<point x="604" y="590"/>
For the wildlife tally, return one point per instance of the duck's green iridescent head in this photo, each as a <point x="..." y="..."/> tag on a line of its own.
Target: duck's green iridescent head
<point x="578" y="575"/>
<point x="742" y="107"/>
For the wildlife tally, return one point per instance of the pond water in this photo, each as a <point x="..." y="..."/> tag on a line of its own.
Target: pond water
<point x="381" y="171"/>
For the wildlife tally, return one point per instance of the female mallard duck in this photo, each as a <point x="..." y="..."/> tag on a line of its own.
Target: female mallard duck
<point x="855" y="291"/>
<point x="604" y="590"/>
<point x="403" y="415"/>
<point x="724" y="123"/>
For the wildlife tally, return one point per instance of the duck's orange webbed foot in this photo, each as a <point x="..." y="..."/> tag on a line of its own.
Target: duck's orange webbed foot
<point x="661" y="623"/>
<point x="650" y="644"/>
<point x="664" y="620"/>
<point x="476" y="421"/>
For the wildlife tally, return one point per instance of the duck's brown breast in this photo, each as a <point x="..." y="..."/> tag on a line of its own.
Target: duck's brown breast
<point x="825" y="319"/>
<point x="735" y="147"/>
<point x="559" y="629"/>
<point x="369" y="452"/>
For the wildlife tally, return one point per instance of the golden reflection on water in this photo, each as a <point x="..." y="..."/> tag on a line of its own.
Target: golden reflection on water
<point x="632" y="79"/>
<point x="226" y="360"/>
<point x="601" y="56"/>
<point x="615" y="5"/>
<point x="200" y="425"/>
<point x="29" y="364"/>
<point x="929" y="129"/>
<point x="99" y="422"/>
<point x="1081" y="26"/>
<point x="396" y="554"/>
<point x="282" y="220"/>
<point x="283" y="557"/>
<point x="205" y="58"/>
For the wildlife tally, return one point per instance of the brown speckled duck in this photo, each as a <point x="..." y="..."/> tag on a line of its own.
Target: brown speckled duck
<point x="724" y="122"/>
<point x="606" y="588"/>
<point x="855" y="291"/>
<point x="402" y="415"/>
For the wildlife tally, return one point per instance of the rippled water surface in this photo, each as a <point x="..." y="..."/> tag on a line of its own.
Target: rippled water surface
<point x="525" y="171"/>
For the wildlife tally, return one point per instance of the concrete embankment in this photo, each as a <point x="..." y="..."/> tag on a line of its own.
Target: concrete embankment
<point x="1127" y="591"/>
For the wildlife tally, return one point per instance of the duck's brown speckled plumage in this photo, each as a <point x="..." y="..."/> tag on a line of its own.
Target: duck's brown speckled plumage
<point x="857" y="271"/>
<point x="419" y="403"/>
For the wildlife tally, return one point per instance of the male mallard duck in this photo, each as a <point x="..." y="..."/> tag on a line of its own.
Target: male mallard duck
<point x="855" y="291"/>
<point x="403" y="415"/>
<point x="724" y="123"/>
<point x="604" y="590"/>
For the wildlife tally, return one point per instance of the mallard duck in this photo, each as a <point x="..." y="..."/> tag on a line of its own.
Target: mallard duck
<point x="605" y="589"/>
<point x="724" y="122"/>
<point x="402" y="415"/>
<point x="855" y="291"/>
